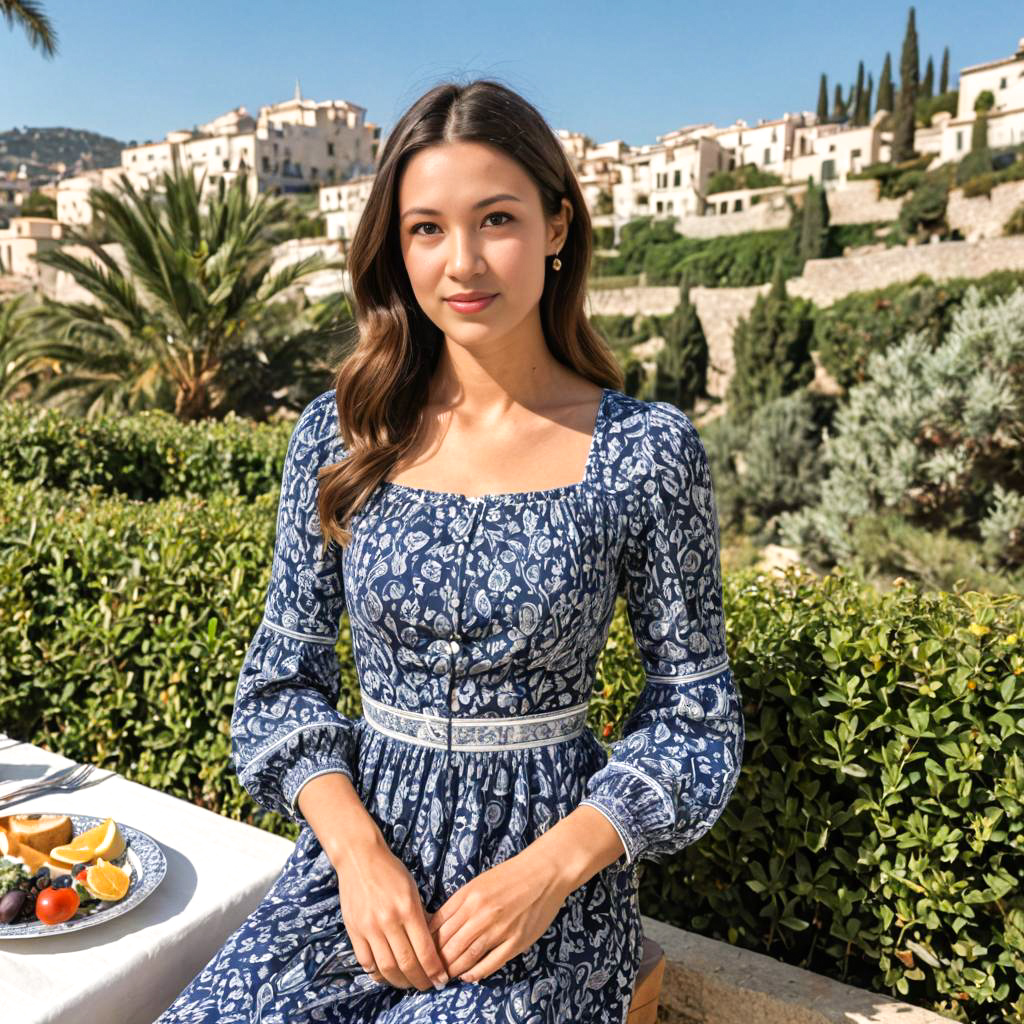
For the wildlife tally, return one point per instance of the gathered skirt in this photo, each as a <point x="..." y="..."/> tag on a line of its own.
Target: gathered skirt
<point x="291" y="960"/>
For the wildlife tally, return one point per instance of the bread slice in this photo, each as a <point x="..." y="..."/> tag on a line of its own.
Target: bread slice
<point x="40" y="831"/>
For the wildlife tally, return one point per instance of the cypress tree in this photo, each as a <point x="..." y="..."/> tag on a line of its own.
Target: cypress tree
<point x="885" y="98"/>
<point x="944" y="73"/>
<point x="814" y="223"/>
<point x="858" y="96"/>
<point x="771" y="349"/>
<point x="681" y="366"/>
<point x="928" y="82"/>
<point x="906" y="102"/>
<point x="823" y="99"/>
<point x="838" y="109"/>
<point x="867" y="99"/>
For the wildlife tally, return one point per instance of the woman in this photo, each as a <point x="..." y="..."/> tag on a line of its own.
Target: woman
<point x="486" y="490"/>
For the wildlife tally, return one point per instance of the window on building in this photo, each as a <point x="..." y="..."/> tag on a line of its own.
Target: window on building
<point x="678" y="179"/>
<point x="724" y="206"/>
<point x="737" y="204"/>
<point x="226" y="164"/>
<point x="266" y="163"/>
<point x="330" y="149"/>
<point x="658" y="206"/>
<point x="855" y="153"/>
<point x="959" y="140"/>
<point x="767" y="155"/>
<point x="1002" y="83"/>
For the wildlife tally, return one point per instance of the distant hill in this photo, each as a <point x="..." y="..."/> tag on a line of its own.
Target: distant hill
<point x="43" y="150"/>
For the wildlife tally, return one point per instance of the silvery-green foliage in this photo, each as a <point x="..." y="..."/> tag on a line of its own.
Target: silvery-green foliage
<point x="929" y="433"/>
<point x="1002" y="530"/>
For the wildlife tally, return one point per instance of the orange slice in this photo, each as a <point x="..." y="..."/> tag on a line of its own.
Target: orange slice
<point x="103" y="840"/>
<point x="107" y="881"/>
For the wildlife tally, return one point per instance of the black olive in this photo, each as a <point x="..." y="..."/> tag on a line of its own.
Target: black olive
<point x="62" y="882"/>
<point x="11" y="905"/>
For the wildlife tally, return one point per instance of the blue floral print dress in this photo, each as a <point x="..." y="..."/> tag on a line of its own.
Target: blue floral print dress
<point x="476" y="625"/>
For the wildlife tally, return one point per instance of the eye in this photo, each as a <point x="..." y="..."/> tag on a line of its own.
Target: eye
<point x="414" y="230"/>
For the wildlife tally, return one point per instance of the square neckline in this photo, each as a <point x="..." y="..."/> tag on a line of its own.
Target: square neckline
<point x="433" y="497"/>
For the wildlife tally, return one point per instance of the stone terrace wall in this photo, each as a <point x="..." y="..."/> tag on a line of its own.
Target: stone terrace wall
<point x="855" y="202"/>
<point x="823" y="281"/>
<point x="984" y="216"/>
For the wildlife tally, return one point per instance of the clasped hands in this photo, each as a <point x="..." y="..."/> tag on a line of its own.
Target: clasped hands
<point x="495" y="916"/>
<point x="492" y="918"/>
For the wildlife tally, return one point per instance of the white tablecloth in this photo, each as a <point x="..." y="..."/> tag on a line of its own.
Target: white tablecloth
<point x="129" y="970"/>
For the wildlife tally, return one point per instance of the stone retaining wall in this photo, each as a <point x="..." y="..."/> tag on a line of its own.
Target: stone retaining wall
<point x="711" y="982"/>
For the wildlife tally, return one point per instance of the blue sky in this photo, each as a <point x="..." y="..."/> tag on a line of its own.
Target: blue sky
<point x="137" y="70"/>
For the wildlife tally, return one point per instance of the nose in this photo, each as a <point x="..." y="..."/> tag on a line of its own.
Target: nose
<point x="463" y="254"/>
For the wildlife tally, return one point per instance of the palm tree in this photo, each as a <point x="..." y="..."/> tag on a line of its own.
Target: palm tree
<point x="24" y="355"/>
<point x="33" y="20"/>
<point x="194" y="322"/>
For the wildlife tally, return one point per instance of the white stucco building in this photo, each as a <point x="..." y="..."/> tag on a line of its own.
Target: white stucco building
<point x="1004" y="78"/>
<point x="342" y="205"/>
<point x="23" y="239"/>
<point x="293" y="146"/>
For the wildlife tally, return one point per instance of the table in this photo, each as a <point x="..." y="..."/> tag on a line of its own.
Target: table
<point x="131" y="968"/>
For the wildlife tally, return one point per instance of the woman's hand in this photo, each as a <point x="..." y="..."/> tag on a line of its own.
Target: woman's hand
<point x="496" y="915"/>
<point x="386" y="920"/>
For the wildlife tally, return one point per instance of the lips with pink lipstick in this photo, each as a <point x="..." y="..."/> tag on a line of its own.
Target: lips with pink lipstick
<point x="470" y="302"/>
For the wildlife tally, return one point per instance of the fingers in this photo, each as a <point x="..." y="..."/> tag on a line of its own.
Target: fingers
<point x="467" y="952"/>
<point x="401" y="962"/>
<point x="490" y="963"/>
<point x="425" y="949"/>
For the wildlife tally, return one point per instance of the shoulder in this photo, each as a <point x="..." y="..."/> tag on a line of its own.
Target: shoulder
<point x="651" y="444"/>
<point x="315" y="436"/>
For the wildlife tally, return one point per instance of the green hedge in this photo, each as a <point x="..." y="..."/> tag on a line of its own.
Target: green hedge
<point x="145" y="456"/>
<point x="876" y="831"/>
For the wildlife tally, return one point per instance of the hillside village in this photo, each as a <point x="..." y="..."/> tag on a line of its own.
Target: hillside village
<point x="326" y="149"/>
<point x="748" y="274"/>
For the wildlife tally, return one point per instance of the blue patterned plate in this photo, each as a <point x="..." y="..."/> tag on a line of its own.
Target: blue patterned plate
<point x="142" y="857"/>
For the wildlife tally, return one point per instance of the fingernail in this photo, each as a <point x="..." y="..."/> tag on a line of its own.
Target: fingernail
<point x="441" y="981"/>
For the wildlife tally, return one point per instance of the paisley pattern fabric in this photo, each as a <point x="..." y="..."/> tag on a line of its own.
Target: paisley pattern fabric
<point x="477" y="624"/>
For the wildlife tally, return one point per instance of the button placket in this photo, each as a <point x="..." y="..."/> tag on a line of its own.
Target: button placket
<point x="454" y="649"/>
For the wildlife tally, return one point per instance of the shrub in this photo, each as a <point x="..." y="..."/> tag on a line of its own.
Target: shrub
<point x="852" y="328"/>
<point x="771" y="348"/>
<point x="145" y="456"/>
<point x="927" y="434"/>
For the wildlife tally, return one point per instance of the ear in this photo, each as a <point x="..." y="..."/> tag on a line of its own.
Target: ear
<point x="558" y="227"/>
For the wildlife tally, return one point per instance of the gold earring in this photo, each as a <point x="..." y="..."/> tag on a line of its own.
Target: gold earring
<point x="556" y="263"/>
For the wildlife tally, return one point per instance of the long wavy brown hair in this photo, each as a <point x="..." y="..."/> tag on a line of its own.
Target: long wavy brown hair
<point x="382" y="385"/>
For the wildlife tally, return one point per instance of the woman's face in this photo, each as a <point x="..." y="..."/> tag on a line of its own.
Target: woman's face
<point x="456" y="237"/>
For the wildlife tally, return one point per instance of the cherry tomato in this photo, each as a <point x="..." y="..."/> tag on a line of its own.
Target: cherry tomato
<point x="82" y="875"/>
<point x="56" y="905"/>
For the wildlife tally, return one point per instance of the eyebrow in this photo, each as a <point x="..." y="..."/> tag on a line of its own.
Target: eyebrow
<point x="476" y="206"/>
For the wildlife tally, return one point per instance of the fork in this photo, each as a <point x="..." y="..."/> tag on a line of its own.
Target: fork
<point x="67" y="780"/>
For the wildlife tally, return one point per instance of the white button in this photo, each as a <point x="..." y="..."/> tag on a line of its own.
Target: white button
<point x="453" y="646"/>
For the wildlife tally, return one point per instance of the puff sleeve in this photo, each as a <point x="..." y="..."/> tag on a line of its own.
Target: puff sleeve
<point x="669" y="777"/>
<point x="285" y="726"/>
